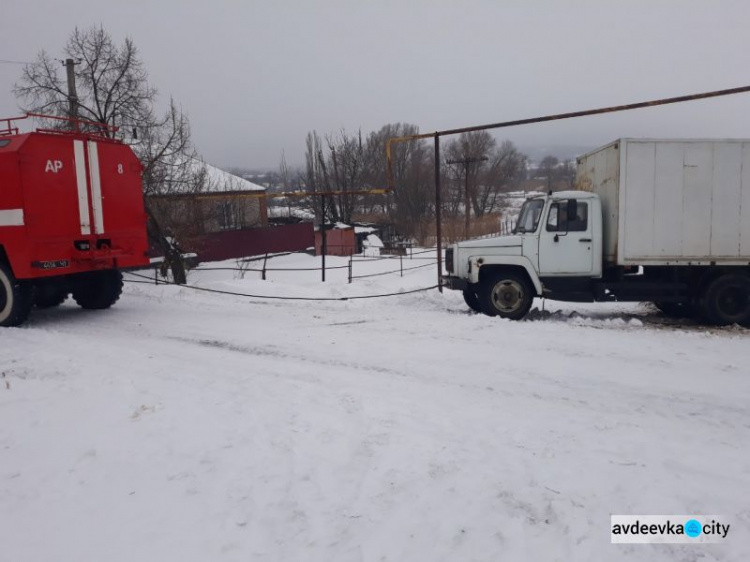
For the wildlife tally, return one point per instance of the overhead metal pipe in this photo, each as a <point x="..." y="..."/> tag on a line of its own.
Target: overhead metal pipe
<point x="556" y="117"/>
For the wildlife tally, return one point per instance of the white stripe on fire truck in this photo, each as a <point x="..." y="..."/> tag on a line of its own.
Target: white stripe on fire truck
<point x="96" y="187"/>
<point x="83" y="192"/>
<point x="11" y="217"/>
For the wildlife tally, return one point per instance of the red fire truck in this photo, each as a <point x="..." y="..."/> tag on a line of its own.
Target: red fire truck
<point x="71" y="217"/>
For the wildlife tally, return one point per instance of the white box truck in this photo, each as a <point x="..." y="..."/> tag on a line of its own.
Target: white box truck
<point x="666" y="221"/>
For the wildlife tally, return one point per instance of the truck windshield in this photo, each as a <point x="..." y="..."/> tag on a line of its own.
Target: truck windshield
<point x="529" y="217"/>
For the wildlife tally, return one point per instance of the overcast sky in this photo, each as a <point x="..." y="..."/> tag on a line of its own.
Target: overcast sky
<point x="256" y="76"/>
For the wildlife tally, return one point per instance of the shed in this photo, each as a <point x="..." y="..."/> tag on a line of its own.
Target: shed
<point x="340" y="240"/>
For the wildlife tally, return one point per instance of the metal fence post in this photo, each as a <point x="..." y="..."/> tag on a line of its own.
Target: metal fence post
<point x="438" y="213"/>
<point x="401" y="262"/>
<point x="265" y="259"/>
<point x="350" y="269"/>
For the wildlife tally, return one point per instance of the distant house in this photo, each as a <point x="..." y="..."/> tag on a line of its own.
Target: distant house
<point x="217" y="201"/>
<point x="218" y="215"/>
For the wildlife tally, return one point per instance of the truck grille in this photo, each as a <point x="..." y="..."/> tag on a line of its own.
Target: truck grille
<point x="449" y="260"/>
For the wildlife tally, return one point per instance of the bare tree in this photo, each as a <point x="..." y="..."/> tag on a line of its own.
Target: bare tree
<point x="467" y="154"/>
<point x="111" y="81"/>
<point x="285" y="180"/>
<point x="316" y="175"/>
<point x="503" y="172"/>
<point x="548" y="170"/>
<point x="411" y="205"/>
<point x="336" y="165"/>
<point x="486" y="171"/>
<point x="113" y="89"/>
<point x="568" y="173"/>
<point x="343" y="162"/>
<point x="348" y="158"/>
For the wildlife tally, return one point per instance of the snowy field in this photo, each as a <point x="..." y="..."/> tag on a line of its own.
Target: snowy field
<point x="192" y="426"/>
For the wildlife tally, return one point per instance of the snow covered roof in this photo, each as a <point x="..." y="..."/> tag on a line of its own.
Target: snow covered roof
<point x="220" y="180"/>
<point x="336" y="226"/>
<point x="296" y="212"/>
<point x="188" y="175"/>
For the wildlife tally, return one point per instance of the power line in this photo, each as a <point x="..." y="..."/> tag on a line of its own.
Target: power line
<point x="4" y="61"/>
<point x="275" y="297"/>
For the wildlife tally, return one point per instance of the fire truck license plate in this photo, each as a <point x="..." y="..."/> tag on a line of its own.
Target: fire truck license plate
<point x="56" y="264"/>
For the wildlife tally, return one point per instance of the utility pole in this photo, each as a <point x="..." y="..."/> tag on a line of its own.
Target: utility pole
<point x="466" y="162"/>
<point x="69" y="65"/>
<point x="324" y="240"/>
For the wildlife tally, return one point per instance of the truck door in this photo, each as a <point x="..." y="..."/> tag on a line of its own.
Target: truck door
<point x="566" y="241"/>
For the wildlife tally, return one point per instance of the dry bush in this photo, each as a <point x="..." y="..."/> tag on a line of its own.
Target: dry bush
<point x="454" y="228"/>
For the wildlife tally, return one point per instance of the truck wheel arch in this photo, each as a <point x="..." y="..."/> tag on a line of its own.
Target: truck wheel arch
<point x="15" y="298"/>
<point x="487" y="270"/>
<point x="5" y="260"/>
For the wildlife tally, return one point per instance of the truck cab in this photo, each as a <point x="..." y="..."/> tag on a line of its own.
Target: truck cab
<point x="555" y="251"/>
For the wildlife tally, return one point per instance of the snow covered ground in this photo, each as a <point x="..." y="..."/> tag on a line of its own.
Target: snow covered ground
<point x="192" y="426"/>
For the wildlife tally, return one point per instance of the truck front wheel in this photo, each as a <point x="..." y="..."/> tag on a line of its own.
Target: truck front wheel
<point x="507" y="295"/>
<point x="727" y="300"/>
<point x="98" y="290"/>
<point x="15" y="299"/>
<point x="471" y="299"/>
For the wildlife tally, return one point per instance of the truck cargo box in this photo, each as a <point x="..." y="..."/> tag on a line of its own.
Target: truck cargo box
<point x="668" y="202"/>
<point x="70" y="203"/>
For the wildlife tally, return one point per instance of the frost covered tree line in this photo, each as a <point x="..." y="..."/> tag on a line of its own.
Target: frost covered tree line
<point x="344" y="161"/>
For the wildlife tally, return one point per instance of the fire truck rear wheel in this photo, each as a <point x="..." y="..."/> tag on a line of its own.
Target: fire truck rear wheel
<point x="98" y="290"/>
<point x="15" y="299"/>
<point x="49" y="296"/>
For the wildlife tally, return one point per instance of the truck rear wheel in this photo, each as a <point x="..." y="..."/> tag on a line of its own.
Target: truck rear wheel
<point x="49" y="296"/>
<point x="676" y="309"/>
<point x="15" y="299"/>
<point x="727" y="300"/>
<point x="506" y="295"/>
<point x="98" y="290"/>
